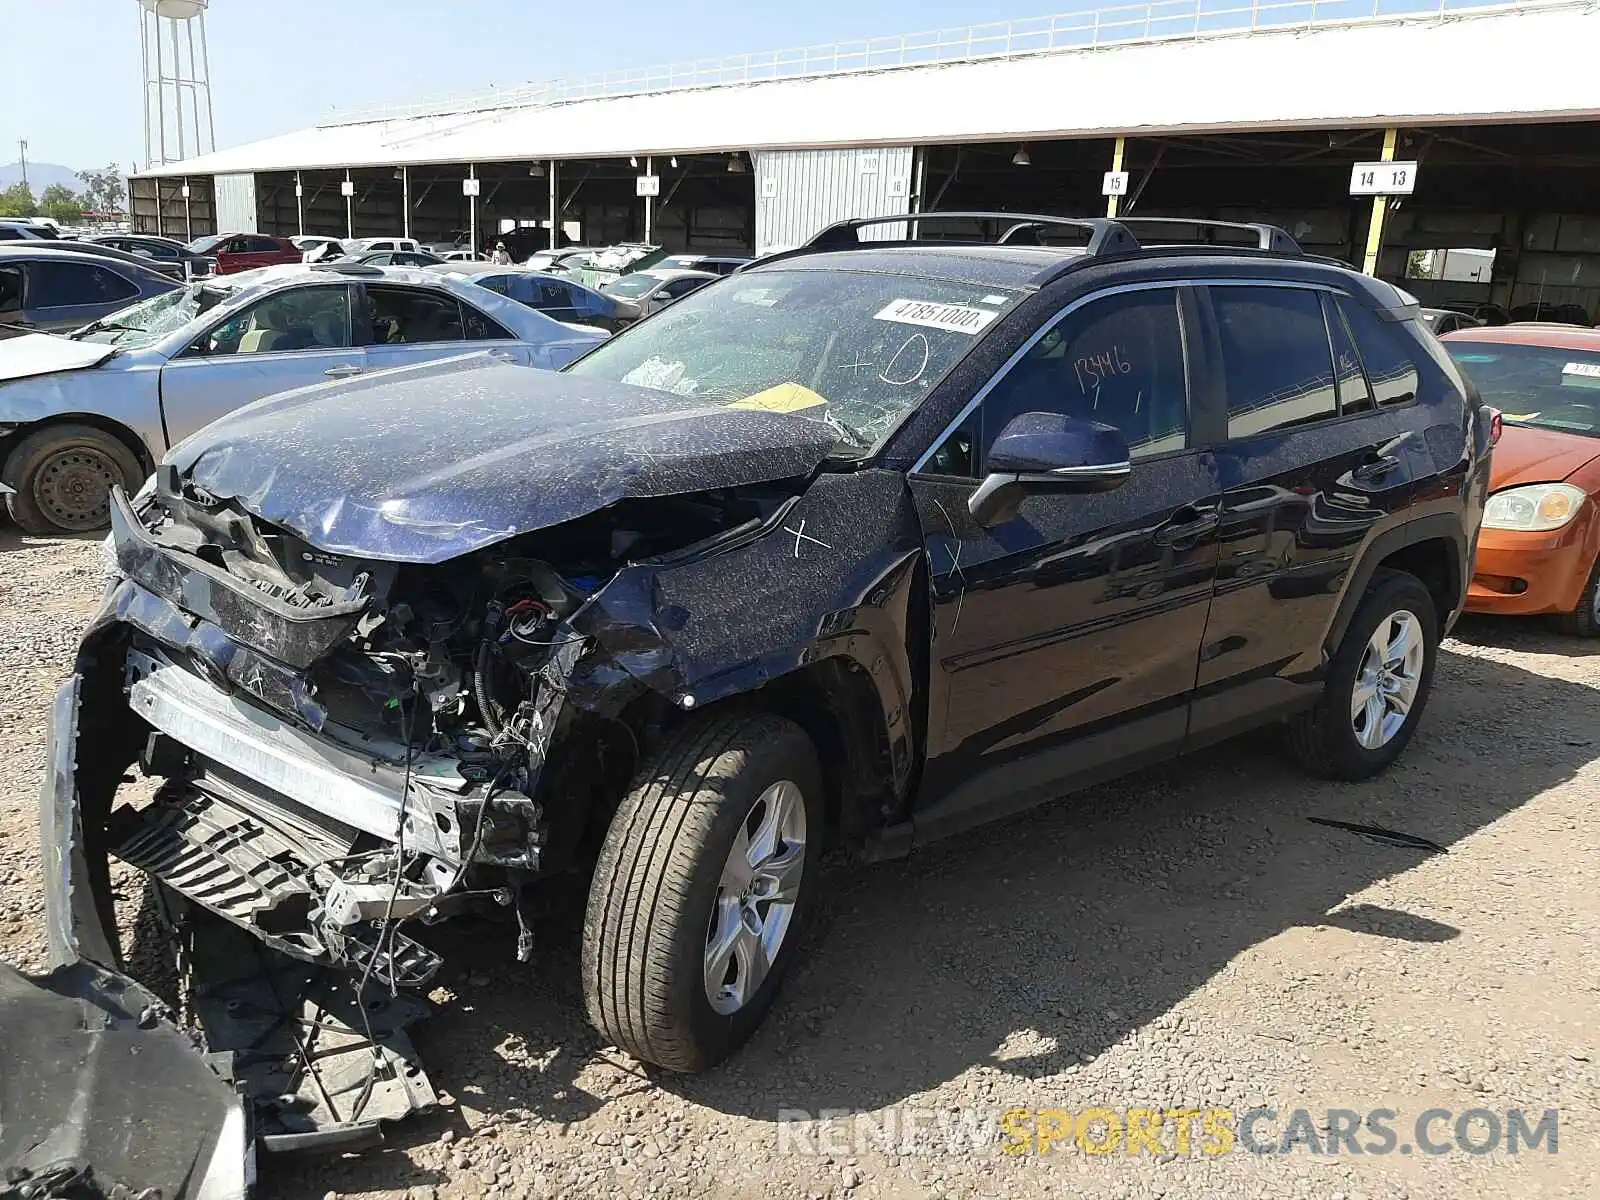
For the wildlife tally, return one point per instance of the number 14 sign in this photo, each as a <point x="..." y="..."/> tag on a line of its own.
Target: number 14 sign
<point x="1383" y="179"/>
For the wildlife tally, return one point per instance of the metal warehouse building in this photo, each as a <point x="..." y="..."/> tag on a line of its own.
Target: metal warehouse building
<point x="1253" y="112"/>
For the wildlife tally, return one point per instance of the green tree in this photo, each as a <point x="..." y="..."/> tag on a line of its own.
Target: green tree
<point x="103" y="191"/>
<point x="61" y="204"/>
<point x="17" y="201"/>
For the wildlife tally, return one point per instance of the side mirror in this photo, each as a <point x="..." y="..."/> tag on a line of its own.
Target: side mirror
<point x="1047" y="452"/>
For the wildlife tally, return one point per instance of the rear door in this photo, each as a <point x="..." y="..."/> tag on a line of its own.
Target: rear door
<point x="1316" y="461"/>
<point x="291" y="338"/>
<point x="61" y="295"/>
<point x="1065" y="641"/>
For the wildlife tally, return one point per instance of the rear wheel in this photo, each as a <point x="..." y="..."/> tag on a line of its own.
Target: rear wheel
<point x="62" y="476"/>
<point x="1584" y="621"/>
<point x="1377" y="685"/>
<point x="702" y="888"/>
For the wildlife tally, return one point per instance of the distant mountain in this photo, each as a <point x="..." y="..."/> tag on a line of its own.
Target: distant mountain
<point x="40" y="176"/>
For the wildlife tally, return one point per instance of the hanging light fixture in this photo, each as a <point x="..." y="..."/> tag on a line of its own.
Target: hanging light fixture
<point x="673" y="162"/>
<point x="736" y="163"/>
<point x="1020" y="158"/>
<point x="536" y="170"/>
<point x="633" y="160"/>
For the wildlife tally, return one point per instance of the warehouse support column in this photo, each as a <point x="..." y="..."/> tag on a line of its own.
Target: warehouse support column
<point x="1116" y="168"/>
<point x="555" y="217"/>
<point x="349" y="191"/>
<point x="405" y="200"/>
<point x="300" y="203"/>
<point x="649" y="201"/>
<point x="188" y="216"/>
<point x="1380" y="209"/>
<point x="472" y="209"/>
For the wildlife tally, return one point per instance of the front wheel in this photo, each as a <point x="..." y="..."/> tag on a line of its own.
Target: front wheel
<point x="1377" y="685"/>
<point x="1584" y="621"/>
<point x="62" y="476"/>
<point x="702" y="887"/>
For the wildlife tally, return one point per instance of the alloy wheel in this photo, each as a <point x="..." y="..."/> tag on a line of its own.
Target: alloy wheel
<point x="1388" y="680"/>
<point x="756" y="897"/>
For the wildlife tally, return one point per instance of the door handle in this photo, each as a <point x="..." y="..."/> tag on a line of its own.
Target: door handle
<point x="508" y="356"/>
<point x="343" y="371"/>
<point x="1180" y="535"/>
<point x="1375" y="468"/>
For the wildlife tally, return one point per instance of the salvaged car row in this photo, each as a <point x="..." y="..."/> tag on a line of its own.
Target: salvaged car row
<point x="859" y="546"/>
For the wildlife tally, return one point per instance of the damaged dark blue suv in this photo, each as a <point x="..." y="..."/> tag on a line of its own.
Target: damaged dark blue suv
<point x="864" y="545"/>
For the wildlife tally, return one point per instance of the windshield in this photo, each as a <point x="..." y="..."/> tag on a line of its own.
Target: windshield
<point x="1542" y="386"/>
<point x="629" y="286"/>
<point x="855" y="350"/>
<point x="151" y="320"/>
<point x="205" y="245"/>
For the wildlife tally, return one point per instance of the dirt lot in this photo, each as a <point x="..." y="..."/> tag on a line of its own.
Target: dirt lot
<point x="1181" y="939"/>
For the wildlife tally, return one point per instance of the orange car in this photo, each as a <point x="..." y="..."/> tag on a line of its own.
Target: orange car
<point x="1539" y="551"/>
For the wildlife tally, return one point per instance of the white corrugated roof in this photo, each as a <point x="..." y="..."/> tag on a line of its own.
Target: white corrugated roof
<point x="1535" y="63"/>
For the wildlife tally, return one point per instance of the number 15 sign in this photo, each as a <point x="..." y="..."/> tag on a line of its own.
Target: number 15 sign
<point x="1383" y="179"/>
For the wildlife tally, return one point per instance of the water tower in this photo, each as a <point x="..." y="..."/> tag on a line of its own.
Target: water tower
<point x="177" y="80"/>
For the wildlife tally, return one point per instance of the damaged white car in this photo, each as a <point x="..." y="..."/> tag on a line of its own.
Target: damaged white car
<point x="99" y="407"/>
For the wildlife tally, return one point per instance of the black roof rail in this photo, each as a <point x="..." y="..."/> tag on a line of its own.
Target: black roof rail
<point x="1105" y="236"/>
<point x="1268" y="237"/>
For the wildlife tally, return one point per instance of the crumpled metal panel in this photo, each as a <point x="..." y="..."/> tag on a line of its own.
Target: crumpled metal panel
<point x="475" y="451"/>
<point x="97" y="1090"/>
<point x="831" y="576"/>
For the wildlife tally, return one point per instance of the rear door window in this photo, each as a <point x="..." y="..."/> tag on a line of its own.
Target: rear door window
<point x="1276" y="359"/>
<point x="10" y="289"/>
<point x="61" y="284"/>
<point x="481" y="328"/>
<point x="409" y="316"/>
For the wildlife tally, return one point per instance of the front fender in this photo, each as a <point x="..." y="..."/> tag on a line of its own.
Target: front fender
<point x="832" y="577"/>
<point x="126" y="391"/>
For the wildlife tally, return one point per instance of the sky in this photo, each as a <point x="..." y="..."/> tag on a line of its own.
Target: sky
<point x="280" y="65"/>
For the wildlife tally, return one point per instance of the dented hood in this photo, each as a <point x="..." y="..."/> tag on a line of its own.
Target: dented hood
<point x="45" y="354"/>
<point x="425" y="464"/>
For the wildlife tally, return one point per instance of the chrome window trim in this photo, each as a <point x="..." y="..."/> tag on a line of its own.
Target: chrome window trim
<point x="1120" y="289"/>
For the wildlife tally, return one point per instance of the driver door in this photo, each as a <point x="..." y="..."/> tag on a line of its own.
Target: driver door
<point x="293" y="338"/>
<point x="1066" y="640"/>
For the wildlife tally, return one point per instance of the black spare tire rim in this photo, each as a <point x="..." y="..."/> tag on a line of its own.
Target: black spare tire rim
<point x="73" y="487"/>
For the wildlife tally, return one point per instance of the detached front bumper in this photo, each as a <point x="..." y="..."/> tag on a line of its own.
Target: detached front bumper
<point x="99" y="1087"/>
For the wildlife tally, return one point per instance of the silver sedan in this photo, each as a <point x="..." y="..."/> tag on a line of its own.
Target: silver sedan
<point x="102" y="405"/>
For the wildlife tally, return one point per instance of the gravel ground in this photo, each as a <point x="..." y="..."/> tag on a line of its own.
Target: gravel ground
<point x="1181" y="938"/>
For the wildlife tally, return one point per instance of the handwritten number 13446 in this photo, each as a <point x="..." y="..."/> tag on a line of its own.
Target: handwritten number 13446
<point x="1094" y="369"/>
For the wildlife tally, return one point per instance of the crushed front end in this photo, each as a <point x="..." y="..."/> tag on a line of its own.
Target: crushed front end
<point x="336" y="752"/>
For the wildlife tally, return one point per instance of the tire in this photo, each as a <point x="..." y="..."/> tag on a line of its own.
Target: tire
<point x="1584" y="621"/>
<point x="62" y="476"/>
<point x="658" y="889"/>
<point x="1327" y="739"/>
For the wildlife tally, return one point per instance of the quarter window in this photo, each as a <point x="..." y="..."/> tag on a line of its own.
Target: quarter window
<point x="1275" y="358"/>
<point x="1119" y="361"/>
<point x="1389" y="364"/>
<point x="1355" y="395"/>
